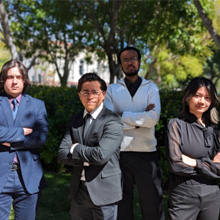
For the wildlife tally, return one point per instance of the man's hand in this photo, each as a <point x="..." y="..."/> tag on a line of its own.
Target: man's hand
<point x="6" y="144"/>
<point x="27" y="131"/>
<point x="150" y="107"/>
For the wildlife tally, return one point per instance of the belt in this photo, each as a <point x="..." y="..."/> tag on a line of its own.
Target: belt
<point x="15" y="167"/>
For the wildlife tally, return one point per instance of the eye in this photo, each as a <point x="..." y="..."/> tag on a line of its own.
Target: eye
<point x="96" y="92"/>
<point x="10" y="77"/>
<point x="208" y="98"/>
<point x="196" y="95"/>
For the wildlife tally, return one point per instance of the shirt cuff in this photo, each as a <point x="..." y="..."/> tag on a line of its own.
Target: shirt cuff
<point x="199" y="164"/>
<point x="73" y="147"/>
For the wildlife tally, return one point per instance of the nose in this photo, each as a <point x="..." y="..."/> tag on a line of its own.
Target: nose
<point x="201" y="100"/>
<point x="14" y="80"/>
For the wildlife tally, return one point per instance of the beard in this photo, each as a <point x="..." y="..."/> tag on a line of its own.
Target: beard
<point x="131" y="73"/>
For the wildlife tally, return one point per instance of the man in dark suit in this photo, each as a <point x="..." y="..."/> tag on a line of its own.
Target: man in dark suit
<point x="23" y="129"/>
<point x="93" y="153"/>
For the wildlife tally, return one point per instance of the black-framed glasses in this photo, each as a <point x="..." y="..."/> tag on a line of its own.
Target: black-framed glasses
<point x="87" y="93"/>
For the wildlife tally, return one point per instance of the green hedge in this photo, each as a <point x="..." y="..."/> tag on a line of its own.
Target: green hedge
<point x="62" y="102"/>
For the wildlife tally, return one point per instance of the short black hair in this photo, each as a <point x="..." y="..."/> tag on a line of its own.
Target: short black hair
<point x="89" y="77"/>
<point x="128" y="48"/>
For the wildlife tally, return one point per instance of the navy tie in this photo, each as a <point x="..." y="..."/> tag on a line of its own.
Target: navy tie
<point x="15" y="108"/>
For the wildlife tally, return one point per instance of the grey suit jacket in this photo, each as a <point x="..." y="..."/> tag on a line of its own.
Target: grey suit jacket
<point x="101" y="150"/>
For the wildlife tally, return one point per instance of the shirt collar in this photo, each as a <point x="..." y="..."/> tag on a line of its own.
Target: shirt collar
<point x="136" y="84"/>
<point x="18" y="98"/>
<point x="94" y="113"/>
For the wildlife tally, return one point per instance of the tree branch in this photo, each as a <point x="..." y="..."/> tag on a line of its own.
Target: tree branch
<point x="207" y="23"/>
<point x="6" y="31"/>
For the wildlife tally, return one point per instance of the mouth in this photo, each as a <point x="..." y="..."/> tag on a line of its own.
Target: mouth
<point x="131" y="67"/>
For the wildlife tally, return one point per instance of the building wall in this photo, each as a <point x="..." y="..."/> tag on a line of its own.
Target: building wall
<point x="45" y="73"/>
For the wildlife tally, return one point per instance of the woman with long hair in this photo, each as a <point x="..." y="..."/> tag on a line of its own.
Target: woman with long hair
<point x="193" y="155"/>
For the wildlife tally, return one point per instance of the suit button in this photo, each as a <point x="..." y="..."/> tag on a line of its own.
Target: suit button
<point x="10" y="163"/>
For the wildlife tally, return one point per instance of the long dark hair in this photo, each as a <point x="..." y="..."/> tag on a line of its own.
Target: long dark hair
<point x="211" y="115"/>
<point x="10" y="64"/>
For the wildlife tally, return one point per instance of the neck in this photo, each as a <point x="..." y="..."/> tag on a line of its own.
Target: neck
<point x="132" y="79"/>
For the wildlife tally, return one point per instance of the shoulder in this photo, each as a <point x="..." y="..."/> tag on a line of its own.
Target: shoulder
<point x="118" y="85"/>
<point x="149" y="84"/>
<point x="32" y="99"/>
<point x="110" y="115"/>
<point x="174" y="123"/>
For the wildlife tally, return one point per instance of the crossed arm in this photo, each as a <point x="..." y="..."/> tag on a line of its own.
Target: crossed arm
<point x="26" y="131"/>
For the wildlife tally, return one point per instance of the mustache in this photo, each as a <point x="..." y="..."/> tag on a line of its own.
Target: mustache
<point x="131" y="65"/>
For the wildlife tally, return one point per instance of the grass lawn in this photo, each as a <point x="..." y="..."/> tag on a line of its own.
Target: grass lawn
<point x="54" y="202"/>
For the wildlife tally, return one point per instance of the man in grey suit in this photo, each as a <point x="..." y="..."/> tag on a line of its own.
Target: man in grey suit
<point x="91" y="145"/>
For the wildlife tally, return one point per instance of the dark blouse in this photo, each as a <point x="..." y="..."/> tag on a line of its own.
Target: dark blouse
<point x="192" y="139"/>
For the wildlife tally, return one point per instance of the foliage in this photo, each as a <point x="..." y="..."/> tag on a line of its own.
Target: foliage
<point x="212" y="68"/>
<point x="216" y="20"/>
<point x="61" y="103"/>
<point x="4" y="54"/>
<point x="48" y="29"/>
<point x="57" y="30"/>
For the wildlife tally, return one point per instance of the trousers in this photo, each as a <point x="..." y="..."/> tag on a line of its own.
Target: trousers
<point x="82" y="207"/>
<point x="14" y="193"/>
<point x="141" y="169"/>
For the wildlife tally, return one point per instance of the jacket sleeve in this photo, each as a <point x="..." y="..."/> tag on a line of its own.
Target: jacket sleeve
<point x="108" y="144"/>
<point x="40" y="130"/>
<point x="64" y="149"/>
<point x="146" y="118"/>
<point x="11" y="134"/>
<point x="108" y="101"/>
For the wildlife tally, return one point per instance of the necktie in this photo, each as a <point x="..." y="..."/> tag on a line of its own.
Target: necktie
<point x="87" y="124"/>
<point x="15" y="108"/>
<point x="14" y="112"/>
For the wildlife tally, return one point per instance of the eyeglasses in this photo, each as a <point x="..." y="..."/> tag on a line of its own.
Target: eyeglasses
<point x="128" y="60"/>
<point x="87" y="93"/>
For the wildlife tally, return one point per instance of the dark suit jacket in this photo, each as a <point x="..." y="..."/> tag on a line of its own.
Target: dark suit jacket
<point x="31" y="114"/>
<point x="101" y="150"/>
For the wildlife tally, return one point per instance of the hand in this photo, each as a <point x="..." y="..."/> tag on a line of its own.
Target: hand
<point x="27" y="131"/>
<point x="150" y="107"/>
<point x="217" y="158"/>
<point x="188" y="160"/>
<point x="6" y="144"/>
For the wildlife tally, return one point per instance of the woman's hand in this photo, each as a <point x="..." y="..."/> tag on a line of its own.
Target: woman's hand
<point x="217" y="158"/>
<point x="190" y="161"/>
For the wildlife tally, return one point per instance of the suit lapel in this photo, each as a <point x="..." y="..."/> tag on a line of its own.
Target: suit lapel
<point x="78" y="124"/>
<point x="21" y="109"/>
<point x="95" y="123"/>
<point x="6" y="110"/>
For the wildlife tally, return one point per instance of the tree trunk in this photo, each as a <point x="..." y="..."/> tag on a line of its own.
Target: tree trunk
<point x="6" y="32"/>
<point x="207" y="23"/>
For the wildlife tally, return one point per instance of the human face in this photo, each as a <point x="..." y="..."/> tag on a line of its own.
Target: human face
<point x="14" y="83"/>
<point x="129" y="62"/>
<point x="200" y="102"/>
<point x="91" y="101"/>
